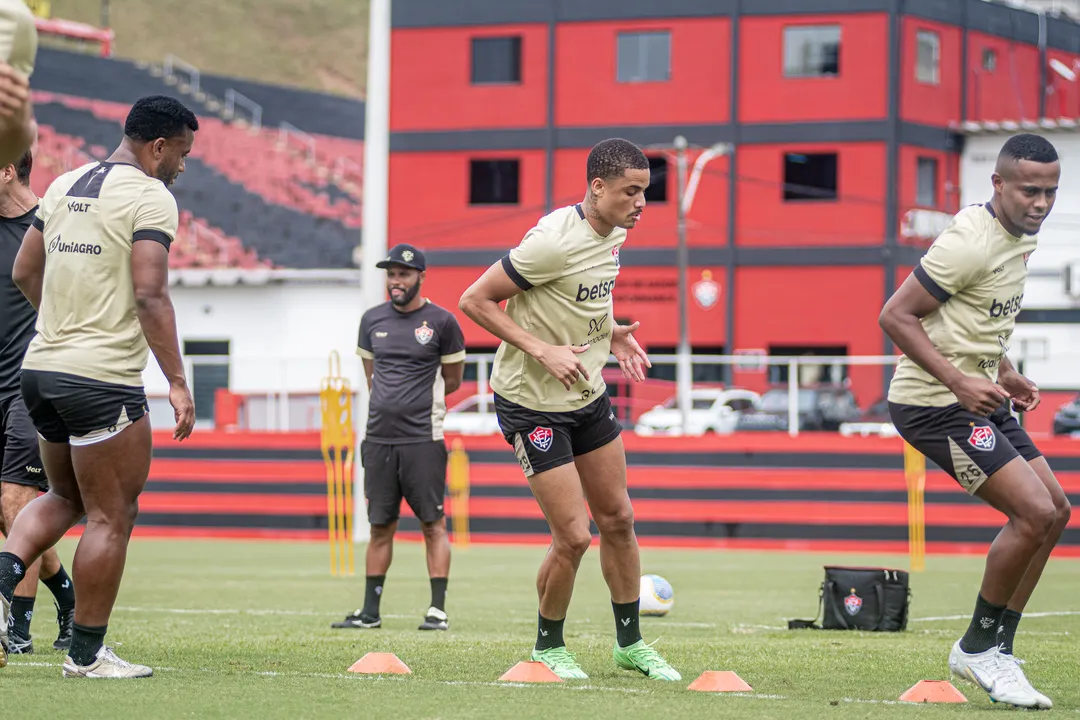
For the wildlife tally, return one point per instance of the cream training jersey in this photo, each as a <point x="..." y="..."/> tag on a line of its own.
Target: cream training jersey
<point x="567" y="272"/>
<point x="18" y="36"/>
<point x="90" y="218"/>
<point x="978" y="271"/>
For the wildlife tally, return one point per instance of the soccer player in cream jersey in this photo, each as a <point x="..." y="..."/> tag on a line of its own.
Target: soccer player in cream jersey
<point x="95" y="265"/>
<point x="949" y="398"/>
<point x="557" y="333"/>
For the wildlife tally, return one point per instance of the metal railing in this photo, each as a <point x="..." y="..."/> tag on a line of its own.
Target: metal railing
<point x="172" y="64"/>
<point x="795" y="394"/>
<point x="234" y="99"/>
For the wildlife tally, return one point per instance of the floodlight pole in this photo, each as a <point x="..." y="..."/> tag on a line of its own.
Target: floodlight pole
<point x="373" y="242"/>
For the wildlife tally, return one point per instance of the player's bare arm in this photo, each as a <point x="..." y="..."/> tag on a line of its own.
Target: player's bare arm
<point x="150" y="276"/>
<point x="1025" y="394"/>
<point x="481" y="303"/>
<point x="453" y="374"/>
<point x="28" y="272"/>
<point x="17" y="126"/>
<point x="900" y="320"/>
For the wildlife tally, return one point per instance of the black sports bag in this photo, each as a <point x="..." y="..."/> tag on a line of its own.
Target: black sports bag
<point x="851" y="598"/>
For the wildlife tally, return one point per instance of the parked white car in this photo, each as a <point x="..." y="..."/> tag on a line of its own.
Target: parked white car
<point x="711" y="410"/>
<point x="475" y="415"/>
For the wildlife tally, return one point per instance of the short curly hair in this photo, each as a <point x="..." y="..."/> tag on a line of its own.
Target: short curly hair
<point x="23" y="166"/>
<point x="158" y="116"/>
<point x="610" y="158"/>
<point x="1028" y="146"/>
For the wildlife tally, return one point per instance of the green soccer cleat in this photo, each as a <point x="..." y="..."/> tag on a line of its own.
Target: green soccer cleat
<point x="561" y="662"/>
<point x="644" y="659"/>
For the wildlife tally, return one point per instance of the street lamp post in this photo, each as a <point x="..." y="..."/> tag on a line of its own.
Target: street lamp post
<point x="686" y="189"/>
<point x="683" y="365"/>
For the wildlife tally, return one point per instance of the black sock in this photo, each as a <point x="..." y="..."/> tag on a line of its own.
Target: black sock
<point x="1009" y="620"/>
<point x="982" y="633"/>
<point x="438" y="592"/>
<point x="61" y="587"/>
<point x="627" y="630"/>
<point x="549" y="633"/>
<point x="22" y="612"/>
<point x="85" y="643"/>
<point x="12" y="571"/>
<point x="373" y="595"/>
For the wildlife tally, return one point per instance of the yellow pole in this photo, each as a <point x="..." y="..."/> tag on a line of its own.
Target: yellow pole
<point x="915" y="474"/>
<point x="459" y="492"/>
<point x="337" y="440"/>
<point x="326" y="437"/>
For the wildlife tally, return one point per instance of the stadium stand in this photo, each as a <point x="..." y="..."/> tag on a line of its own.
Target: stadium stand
<point x="268" y="195"/>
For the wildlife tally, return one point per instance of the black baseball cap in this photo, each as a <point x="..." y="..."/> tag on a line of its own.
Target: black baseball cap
<point x="404" y="255"/>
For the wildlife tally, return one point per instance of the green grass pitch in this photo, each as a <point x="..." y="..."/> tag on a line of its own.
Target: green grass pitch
<point x="242" y="630"/>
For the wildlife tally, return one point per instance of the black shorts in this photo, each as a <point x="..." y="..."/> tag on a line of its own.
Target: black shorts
<point x="20" y="462"/>
<point x="545" y="440"/>
<point x="414" y="471"/>
<point x="969" y="447"/>
<point x="73" y="409"/>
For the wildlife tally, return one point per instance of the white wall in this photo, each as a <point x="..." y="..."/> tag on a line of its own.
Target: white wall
<point x="280" y="335"/>
<point x="1053" y="349"/>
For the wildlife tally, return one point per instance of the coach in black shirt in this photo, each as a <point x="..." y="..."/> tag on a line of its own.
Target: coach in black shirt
<point x="414" y="356"/>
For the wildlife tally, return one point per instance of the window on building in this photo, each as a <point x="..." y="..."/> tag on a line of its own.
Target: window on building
<point x="471" y="369"/>
<point x="926" y="183"/>
<point x="658" y="180"/>
<point x="809" y="176"/>
<point x="496" y="60"/>
<point x="989" y="59"/>
<point x="812" y="51"/>
<point x="928" y="57"/>
<point x="209" y="372"/>
<point x="644" y="57"/>
<point x="810" y="373"/>
<point x="493" y="182"/>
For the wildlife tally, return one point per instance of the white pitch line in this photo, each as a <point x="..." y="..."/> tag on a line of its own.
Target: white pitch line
<point x="357" y="676"/>
<point x="234" y="611"/>
<point x="312" y="613"/>
<point x="1056" y="613"/>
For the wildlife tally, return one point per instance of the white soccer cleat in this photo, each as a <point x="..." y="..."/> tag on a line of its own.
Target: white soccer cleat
<point x="995" y="673"/>
<point x="5" y="610"/>
<point x="1045" y="703"/>
<point x="107" y="665"/>
<point x="435" y="619"/>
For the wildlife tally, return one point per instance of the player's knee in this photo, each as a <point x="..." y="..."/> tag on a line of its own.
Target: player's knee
<point x="434" y="530"/>
<point x="382" y="534"/>
<point x="617" y="524"/>
<point x="1063" y="512"/>
<point x="573" y="544"/>
<point x="1039" y="519"/>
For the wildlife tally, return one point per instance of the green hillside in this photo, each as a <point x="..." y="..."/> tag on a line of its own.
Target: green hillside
<point x="315" y="44"/>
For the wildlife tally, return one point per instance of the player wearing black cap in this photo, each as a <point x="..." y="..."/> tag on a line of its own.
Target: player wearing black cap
<point x="414" y="356"/>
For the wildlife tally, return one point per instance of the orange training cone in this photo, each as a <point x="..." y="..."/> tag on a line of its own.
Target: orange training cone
<point x="380" y="663"/>
<point x="530" y="671"/>
<point x="720" y="681"/>
<point x="933" y="691"/>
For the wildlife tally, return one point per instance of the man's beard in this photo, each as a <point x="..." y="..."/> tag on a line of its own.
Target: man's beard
<point x="406" y="297"/>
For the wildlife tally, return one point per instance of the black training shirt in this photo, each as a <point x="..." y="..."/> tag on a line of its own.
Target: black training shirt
<point x="17" y="315"/>
<point x="408" y="402"/>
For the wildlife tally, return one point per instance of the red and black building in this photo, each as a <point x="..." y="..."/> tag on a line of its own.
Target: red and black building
<point x="844" y="115"/>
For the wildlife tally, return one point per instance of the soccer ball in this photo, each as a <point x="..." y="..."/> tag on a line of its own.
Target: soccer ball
<point x="657" y="597"/>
